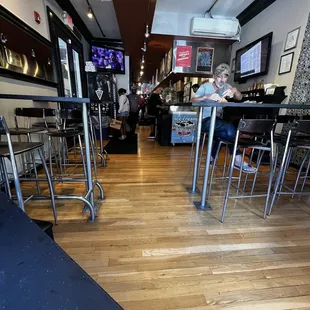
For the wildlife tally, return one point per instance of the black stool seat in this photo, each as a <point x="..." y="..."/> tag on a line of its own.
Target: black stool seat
<point x="23" y="131"/>
<point x="18" y="147"/>
<point x="42" y="125"/>
<point x="64" y="133"/>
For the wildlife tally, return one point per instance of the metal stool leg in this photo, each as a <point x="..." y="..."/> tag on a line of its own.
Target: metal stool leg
<point x="271" y="175"/>
<point x="247" y="175"/>
<point x="5" y="177"/>
<point x="225" y="163"/>
<point x="287" y="164"/>
<point x="50" y="184"/>
<point x="305" y="179"/>
<point x="82" y="156"/>
<point x="259" y="160"/>
<point x="240" y="172"/>
<point x="281" y="171"/>
<point x="231" y="170"/>
<point x="213" y="169"/>
<point x="17" y="182"/>
<point x="201" y="153"/>
<point x="300" y="171"/>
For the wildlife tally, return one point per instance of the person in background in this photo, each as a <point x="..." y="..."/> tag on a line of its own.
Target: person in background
<point x="142" y="106"/>
<point x="195" y="87"/>
<point x="153" y="102"/>
<point x="135" y="103"/>
<point x="115" y="65"/>
<point x="216" y="91"/>
<point x="123" y="111"/>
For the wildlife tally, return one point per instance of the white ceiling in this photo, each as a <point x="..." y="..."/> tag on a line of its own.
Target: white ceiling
<point x="105" y="13"/>
<point x="184" y="6"/>
<point x="228" y="8"/>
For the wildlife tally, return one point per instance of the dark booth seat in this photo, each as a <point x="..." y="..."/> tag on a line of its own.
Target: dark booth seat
<point x="35" y="273"/>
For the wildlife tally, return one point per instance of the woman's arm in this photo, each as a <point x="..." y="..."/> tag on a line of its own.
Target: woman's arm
<point x="122" y="100"/>
<point x="214" y="97"/>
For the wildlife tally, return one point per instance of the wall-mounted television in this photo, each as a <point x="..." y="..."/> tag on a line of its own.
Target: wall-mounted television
<point x="109" y="59"/>
<point x="253" y="59"/>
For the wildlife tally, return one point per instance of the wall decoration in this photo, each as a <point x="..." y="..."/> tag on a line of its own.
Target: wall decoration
<point x="291" y="39"/>
<point x="183" y="56"/>
<point x="286" y="63"/>
<point x="204" y="62"/>
<point x="300" y="89"/>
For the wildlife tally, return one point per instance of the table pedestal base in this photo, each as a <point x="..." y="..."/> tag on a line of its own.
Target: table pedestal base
<point x="206" y="207"/>
<point x="189" y="190"/>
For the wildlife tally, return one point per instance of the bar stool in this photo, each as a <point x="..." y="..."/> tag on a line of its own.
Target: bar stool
<point x="254" y="128"/>
<point x="61" y="134"/>
<point x="10" y="150"/>
<point x="298" y="137"/>
<point x="27" y="115"/>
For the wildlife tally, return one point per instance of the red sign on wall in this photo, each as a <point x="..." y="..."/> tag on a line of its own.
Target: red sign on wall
<point x="183" y="56"/>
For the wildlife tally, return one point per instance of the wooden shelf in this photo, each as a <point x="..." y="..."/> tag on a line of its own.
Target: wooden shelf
<point x="175" y="77"/>
<point x="253" y="91"/>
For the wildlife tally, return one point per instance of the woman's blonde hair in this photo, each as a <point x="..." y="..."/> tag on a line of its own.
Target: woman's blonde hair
<point x="222" y="69"/>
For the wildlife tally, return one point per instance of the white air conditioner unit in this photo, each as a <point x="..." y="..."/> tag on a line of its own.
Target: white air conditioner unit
<point x="216" y="28"/>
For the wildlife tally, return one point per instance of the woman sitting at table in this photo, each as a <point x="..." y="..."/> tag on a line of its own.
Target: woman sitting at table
<point x="217" y="91"/>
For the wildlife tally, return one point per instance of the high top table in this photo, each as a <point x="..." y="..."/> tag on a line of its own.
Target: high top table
<point x="88" y="199"/>
<point x="35" y="273"/>
<point x="203" y="204"/>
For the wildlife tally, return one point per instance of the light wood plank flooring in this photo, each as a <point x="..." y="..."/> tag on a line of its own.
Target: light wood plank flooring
<point x="151" y="249"/>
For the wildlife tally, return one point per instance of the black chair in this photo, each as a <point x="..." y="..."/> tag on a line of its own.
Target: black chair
<point x="256" y="130"/>
<point x="298" y="137"/>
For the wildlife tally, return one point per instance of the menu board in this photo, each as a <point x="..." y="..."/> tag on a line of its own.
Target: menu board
<point x="204" y="61"/>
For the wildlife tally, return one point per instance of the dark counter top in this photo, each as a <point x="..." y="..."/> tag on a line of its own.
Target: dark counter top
<point x="211" y="103"/>
<point x="45" y="98"/>
<point x="35" y="273"/>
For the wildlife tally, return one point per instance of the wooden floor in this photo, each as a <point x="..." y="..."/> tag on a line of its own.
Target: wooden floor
<point x="151" y="249"/>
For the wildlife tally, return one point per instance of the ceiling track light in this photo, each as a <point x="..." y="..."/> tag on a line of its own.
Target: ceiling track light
<point x="90" y="12"/>
<point x="147" y="34"/>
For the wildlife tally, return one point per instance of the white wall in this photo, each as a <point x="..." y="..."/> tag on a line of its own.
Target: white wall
<point x="24" y="10"/>
<point x="281" y="17"/>
<point x="172" y="23"/>
<point x="123" y="79"/>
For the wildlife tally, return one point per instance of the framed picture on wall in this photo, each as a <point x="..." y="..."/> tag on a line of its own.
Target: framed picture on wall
<point x="291" y="39"/>
<point x="204" y="62"/>
<point x="286" y="63"/>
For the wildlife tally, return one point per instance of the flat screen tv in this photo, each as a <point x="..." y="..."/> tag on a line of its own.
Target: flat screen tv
<point x="109" y="59"/>
<point x="253" y="59"/>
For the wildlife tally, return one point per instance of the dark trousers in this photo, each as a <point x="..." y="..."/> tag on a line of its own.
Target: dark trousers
<point x="222" y="130"/>
<point x="133" y="120"/>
